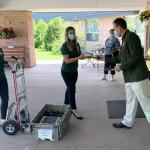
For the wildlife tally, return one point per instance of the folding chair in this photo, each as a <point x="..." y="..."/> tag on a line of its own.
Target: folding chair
<point x="97" y="53"/>
<point x="90" y="59"/>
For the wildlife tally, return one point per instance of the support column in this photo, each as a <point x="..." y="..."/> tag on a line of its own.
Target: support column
<point x="22" y="23"/>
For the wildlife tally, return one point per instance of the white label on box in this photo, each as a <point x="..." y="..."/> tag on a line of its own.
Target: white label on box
<point x="45" y="134"/>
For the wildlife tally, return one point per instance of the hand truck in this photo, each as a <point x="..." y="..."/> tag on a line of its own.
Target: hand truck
<point x="18" y="116"/>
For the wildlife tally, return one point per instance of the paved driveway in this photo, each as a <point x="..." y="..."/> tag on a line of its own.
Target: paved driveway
<point x="45" y="85"/>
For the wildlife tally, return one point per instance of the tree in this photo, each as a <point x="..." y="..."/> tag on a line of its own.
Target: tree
<point x="39" y="35"/>
<point x="34" y="26"/>
<point x="53" y="34"/>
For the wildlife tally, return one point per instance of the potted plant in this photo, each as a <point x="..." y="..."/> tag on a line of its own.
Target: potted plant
<point x="7" y="33"/>
<point x="144" y="17"/>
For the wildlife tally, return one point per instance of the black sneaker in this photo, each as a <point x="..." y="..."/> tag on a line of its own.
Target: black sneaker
<point x="120" y="125"/>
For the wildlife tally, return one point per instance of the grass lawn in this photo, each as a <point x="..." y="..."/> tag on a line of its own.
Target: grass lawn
<point x="46" y="55"/>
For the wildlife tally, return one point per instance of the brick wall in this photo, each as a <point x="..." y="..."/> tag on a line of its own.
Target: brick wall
<point x="21" y="21"/>
<point x="105" y="25"/>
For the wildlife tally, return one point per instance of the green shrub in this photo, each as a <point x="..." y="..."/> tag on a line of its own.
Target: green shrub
<point x="39" y="35"/>
<point x="53" y="34"/>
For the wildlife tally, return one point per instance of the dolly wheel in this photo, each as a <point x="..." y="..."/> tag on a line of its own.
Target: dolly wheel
<point x="10" y="127"/>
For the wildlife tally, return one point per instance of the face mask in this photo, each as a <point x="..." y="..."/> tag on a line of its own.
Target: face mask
<point x="112" y="35"/>
<point x="71" y="37"/>
<point x="117" y="34"/>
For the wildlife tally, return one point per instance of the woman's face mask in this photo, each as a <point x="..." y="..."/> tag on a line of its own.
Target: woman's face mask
<point x="71" y="37"/>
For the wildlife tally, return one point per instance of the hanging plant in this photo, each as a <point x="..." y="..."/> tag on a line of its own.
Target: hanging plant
<point x="144" y="16"/>
<point x="7" y="33"/>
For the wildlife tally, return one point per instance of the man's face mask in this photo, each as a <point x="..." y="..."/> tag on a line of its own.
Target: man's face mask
<point x="71" y="37"/>
<point x="117" y="34"/>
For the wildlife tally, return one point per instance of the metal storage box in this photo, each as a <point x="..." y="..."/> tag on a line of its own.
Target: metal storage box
<point x="51" y="127"/>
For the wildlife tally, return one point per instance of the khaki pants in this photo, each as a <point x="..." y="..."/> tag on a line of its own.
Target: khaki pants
<point x="136" y="91"/>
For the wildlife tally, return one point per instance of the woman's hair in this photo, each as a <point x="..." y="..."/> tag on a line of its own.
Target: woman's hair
<point x="69" y="44"/>
<point x="120" y="22"/>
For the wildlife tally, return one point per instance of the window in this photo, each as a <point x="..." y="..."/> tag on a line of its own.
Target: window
<point x="92" y="37"/>
<point x="92" y="30"/>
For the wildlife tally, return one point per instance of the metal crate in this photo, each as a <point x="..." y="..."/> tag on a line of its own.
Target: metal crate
<point x="47" y="127"/>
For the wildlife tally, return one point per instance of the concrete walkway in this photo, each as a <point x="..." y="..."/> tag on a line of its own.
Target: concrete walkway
<point x="95" y="132"/>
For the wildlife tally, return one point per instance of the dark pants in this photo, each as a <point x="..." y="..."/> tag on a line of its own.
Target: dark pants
<point x="4" y="97"/>
<point x="109" y="65"/>
<point x="70" y="80"/>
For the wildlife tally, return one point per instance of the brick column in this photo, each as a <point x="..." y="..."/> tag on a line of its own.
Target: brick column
<point x="148" y="4"/>
<point x="22" y="23"/>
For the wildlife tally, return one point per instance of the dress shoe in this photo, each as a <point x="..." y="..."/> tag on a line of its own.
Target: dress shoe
<point x="75" y="113"/>
<point x="2" y="121"/>
<point x="120" y="125"/>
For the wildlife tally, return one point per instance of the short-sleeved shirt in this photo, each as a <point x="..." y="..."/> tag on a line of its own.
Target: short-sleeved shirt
<point x="2" y="72"/>
<point x="70" y="67"/>
<point x="111" y="43"/>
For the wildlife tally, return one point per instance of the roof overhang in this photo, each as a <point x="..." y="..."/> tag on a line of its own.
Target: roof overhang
<point x="72" y="6"/>
<point x="80" y="15"/>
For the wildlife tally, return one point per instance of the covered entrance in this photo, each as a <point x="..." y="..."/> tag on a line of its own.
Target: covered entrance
<point x="18" y="15"/>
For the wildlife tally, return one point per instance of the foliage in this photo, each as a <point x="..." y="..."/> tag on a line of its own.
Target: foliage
<point x="7" y="33"/>
<point x="53" y="34"/>
<point x="39" y="35"/>
<point x="144" y="15"/>
<point x="131" y="22"/>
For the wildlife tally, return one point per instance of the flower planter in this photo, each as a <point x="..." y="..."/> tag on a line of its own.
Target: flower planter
<point x="144" y="17"/>
<point x="7" y="33"/>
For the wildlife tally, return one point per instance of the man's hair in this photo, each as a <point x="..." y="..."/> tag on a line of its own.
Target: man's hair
<point x="120" y="22"/>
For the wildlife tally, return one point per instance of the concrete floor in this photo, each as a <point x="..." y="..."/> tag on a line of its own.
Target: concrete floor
<point x="95" y="132"/>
